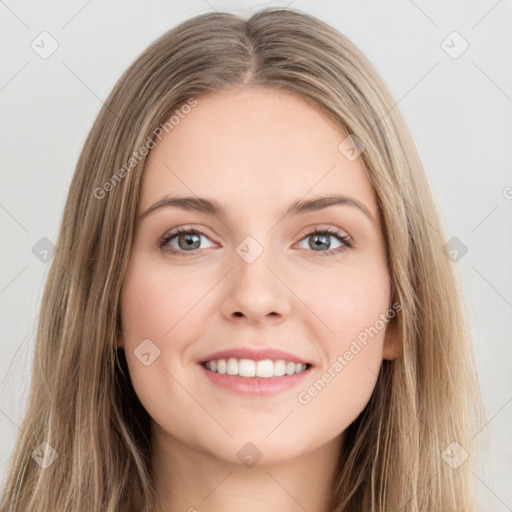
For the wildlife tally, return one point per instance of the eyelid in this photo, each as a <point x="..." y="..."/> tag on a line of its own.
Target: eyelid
<point x="173" y="232"/>
<point x="321" y="227"/>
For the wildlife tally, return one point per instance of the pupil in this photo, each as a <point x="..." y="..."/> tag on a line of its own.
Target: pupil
<point x="324" y="240"/>
<point x="189" y="240"/>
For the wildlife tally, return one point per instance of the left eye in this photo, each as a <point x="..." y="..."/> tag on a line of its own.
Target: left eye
<point x="320" y="238"/>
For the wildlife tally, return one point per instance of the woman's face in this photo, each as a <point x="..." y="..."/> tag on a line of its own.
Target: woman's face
<point x="256" y="278"/>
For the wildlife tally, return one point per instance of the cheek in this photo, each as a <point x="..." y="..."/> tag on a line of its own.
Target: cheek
<point x="155" y="302"/>
<point x="351" y="302"/>
<point x="155" y="308"/>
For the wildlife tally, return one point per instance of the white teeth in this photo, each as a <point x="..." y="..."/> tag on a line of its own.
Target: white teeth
<point x="279" y="367"/>
<point x="232" y="367"/>
<point x="265" y="368"/>
<point x="290" y="368"/>
<point x="249" y="368"/>
<point x="221" y="366"/>
<point x="246" y="368"/>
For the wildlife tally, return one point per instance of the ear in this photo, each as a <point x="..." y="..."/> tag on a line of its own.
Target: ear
<point x="120" y="342"/>
<point x="392" y="348"/>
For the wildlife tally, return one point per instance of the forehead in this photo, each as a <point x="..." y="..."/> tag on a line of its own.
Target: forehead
<point x="254" y="144"/>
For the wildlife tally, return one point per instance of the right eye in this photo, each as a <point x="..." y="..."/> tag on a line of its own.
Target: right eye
<point x="186" y="238"/>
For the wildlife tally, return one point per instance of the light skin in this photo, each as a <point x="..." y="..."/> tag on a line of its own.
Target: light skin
<point x="254" y="151"/>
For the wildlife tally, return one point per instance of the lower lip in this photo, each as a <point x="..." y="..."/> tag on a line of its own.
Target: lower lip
<point x="255" y="386"/>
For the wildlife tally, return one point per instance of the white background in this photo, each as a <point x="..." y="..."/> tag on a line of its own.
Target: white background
<point x="458" y="110"/>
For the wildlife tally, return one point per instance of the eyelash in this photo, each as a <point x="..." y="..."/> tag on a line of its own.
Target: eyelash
<point x="347" y="243"/>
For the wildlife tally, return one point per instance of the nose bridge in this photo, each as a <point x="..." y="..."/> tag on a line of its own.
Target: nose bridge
<point x="255" y="289"/>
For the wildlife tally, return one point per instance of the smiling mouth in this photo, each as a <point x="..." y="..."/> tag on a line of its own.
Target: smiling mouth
<point x="249" y="368"/>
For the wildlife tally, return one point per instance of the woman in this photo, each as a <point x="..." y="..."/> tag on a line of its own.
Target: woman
<point x="258" y="371"/>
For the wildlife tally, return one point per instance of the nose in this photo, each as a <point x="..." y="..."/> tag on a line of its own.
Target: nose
<point x="256" y="290"/>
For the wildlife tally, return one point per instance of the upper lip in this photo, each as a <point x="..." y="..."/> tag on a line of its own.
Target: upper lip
<point x="255" y="354"/>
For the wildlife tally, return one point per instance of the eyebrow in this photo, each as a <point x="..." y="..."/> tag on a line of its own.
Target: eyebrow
<point x="212" y="207"/>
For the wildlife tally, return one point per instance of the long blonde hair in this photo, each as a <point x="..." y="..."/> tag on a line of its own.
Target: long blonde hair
<point x="81" y="402"/>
